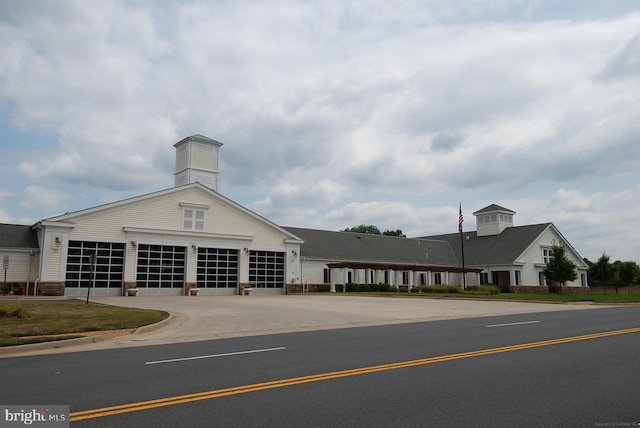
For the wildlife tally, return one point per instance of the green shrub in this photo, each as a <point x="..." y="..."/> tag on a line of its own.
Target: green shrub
<point x="490" y="289"/>
<point x="363" y="288"/>
<point x="352" y="288"/>
<point x="453" y="289"/>
<point x="14" y="312"/>
<point x="414" y="289"/>
<point x="384" y="287"/>
<point x="440" y="289"/>
<point x="427" y="289"/>
<point x="483" y="290"/>
<point x="393" y="289"/>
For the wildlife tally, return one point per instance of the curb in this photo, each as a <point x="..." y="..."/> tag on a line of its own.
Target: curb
<point x="55" y="344"/>
<point x="156" y="326"/>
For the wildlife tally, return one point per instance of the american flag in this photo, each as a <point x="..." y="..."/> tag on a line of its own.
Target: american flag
<point x="460" y="220"/>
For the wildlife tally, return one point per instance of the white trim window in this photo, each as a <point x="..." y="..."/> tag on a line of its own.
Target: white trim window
<point x="193" y="219"/>
<point x="437" y="278"/>
<point x="547" y="255"/>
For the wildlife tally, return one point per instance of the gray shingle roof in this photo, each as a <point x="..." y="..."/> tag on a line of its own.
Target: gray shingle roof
<point x="199" y="137"/>
<point x="503" y="248"/>
<point x="17" y="236"/>
<point x="350" y="246"/>
<point x="493" y="208"/>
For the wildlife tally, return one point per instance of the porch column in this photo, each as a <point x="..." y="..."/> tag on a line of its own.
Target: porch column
<point x="391" y="278"/>
<point x="512" y="277"/>
<point x="332" y="287"/>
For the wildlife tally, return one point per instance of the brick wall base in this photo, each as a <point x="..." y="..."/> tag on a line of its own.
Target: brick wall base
<point x="50" y="288"/>
<point x="311" y="288"/>
<point x="575" y="290"/>
<point x="531" y="289"/>
<point x="127" y="285"/>
<point x="543" y="289"/>
<point x="188" y="286"/>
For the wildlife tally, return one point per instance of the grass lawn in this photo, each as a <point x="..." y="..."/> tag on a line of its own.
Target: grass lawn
<point x="63" y="320"/>
<point x="551" y="297"/>
<point x="568" y="298"/>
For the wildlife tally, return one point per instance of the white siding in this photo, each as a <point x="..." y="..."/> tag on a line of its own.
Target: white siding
<point x="18" y="270"/>
<point x="533" y="256"/>
<point x="313" y="272"/>
<point x="158" y="219"/>
<point x="165" y="213"/>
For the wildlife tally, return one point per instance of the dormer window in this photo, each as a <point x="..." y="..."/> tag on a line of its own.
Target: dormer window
<point x="193" y="216"/>
<point x="506" y="218"/>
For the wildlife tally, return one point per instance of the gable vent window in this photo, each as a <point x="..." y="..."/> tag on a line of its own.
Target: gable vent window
<point x="193" y="219"/>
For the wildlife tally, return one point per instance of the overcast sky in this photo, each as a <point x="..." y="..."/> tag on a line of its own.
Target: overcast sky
<point x="333" y="113"/>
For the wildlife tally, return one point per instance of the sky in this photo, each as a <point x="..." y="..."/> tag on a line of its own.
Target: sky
<point x="333" y="113"/>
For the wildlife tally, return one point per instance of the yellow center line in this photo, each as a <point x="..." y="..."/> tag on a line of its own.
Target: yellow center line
<point x="207" y="395"/>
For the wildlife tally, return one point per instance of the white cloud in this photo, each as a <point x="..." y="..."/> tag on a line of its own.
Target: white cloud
<point x="575" y="200"/>
<point x="42" y="198"/>
<point x="335" y="114"/>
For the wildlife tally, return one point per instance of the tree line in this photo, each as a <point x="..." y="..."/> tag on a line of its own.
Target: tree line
<point x="373" y="230"/>
<point x="614" y="275"/>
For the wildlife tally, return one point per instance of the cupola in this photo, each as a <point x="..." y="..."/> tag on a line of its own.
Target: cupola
<point x="197" y="160"/>
<point x="492" y="220"/>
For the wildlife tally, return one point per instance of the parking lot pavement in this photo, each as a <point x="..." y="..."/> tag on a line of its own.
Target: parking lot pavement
<point x="197" y="318"/>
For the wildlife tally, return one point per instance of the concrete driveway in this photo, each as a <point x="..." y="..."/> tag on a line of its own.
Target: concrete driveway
<point x="215" y="317"/>
<point x="212" y="317"/>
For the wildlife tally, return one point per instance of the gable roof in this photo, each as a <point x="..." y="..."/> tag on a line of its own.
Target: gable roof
<point x="17" y="236"/>
<point x="68" y="217"/>
<point x="368" y="248"/>
<point x="503" y="248"/>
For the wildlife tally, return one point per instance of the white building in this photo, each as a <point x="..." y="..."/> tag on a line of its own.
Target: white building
<point x="190" y="237"/>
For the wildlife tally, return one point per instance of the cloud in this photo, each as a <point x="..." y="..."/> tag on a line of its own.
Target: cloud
<point x="292" y="204"/>
<point x="394" y="215"/>
<point x="332" y="113"/>
<point x="575" y="200"/>
<point x="48" y="199"/>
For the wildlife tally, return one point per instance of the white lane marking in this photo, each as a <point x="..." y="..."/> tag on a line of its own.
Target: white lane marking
<point x="512" y="323"/>
<point x="200" y="357"/>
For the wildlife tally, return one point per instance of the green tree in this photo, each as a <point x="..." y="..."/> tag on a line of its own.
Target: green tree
<point x="396" y="232"/>
<point x="624" y="274"/>
<point x="560" y="268"/>
<point x="364" y="228"/>
<point x="601" y="272"/>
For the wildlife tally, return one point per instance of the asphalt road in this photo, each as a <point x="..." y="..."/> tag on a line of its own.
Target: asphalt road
<point x="485" y="371"/>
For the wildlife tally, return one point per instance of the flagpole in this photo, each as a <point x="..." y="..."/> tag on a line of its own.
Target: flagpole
<point x="464" y="275"/>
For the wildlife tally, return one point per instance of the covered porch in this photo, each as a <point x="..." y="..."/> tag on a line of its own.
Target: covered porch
<point x="397" y="274"/>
